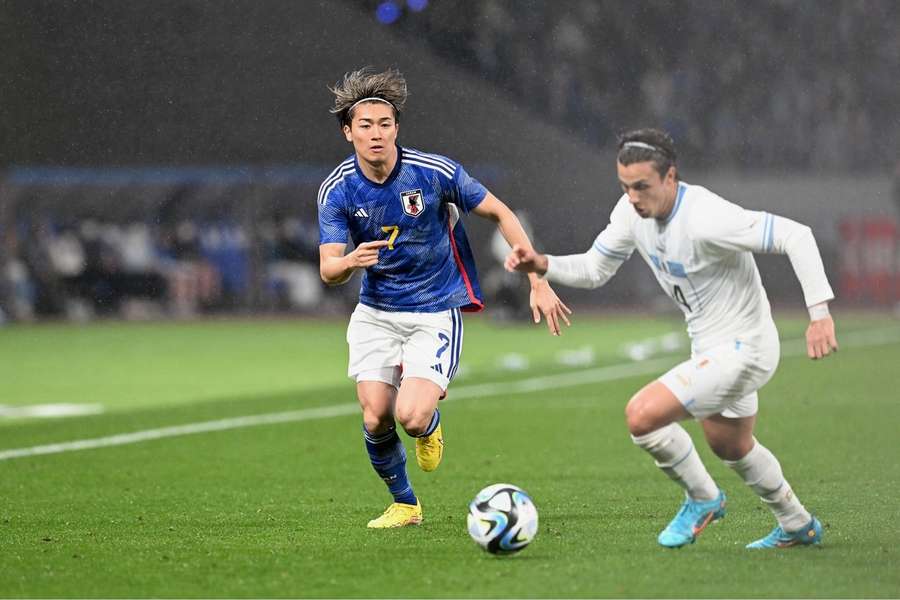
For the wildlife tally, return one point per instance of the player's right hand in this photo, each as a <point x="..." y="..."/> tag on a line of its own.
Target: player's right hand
<point x="366" y="254"/>
<point x="525" y="260"/>
<point x="820" y="338"/>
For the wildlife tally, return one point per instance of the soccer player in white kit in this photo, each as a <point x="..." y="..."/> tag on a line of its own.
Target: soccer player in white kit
<point x="700" y="248"/>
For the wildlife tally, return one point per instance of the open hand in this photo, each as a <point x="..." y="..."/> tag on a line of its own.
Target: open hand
<point x="820" y="338"/>
<point x="544" y="301"/>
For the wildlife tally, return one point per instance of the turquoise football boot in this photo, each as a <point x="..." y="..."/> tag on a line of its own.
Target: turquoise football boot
<point x="779" y="538"/>
<point x="691" y="520"/>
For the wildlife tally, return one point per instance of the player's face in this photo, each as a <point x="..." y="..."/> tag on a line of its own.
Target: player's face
<point x="373" y="132"/>
<point x="651" y="195"/>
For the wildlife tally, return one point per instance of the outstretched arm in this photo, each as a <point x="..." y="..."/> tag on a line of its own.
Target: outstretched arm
<point x="588" y="270"/>
<point x="543" y="299"/>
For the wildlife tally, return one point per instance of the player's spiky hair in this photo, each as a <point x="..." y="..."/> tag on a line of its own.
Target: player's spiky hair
<point x="388" y="86"/>
<point x="641" y="145"/>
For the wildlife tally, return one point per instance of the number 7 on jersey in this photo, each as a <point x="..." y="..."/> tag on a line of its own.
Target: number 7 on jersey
<point x="394" y="230"/>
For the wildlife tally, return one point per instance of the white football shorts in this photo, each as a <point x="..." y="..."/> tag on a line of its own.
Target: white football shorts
<point x="725" y="378"/>
<point x="387" y="346"/>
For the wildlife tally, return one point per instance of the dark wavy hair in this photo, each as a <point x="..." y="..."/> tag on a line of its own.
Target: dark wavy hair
<point x="661" y="151"/>
<point x="389" y="85"/>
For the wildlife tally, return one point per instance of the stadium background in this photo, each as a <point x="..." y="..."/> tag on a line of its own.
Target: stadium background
<point x="161" y="158"/>
<point x="158" y="169"/>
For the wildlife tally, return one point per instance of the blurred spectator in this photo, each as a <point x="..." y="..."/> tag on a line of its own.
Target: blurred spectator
<point x="292" y="266"/>
<point x="115" y="283"/>
<point x="761" y="85"/>
<point x="49" y="291"/>
<point x="193" y="281"/>
<point x="16" y="281"/>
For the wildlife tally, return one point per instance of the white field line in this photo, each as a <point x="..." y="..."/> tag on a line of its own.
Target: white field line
<point x="50" y="411"/>
<point x="794" y="347"/>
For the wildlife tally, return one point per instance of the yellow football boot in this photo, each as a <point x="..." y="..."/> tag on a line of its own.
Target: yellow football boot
<point x="398" y="515"/>
<point x="430" y="450"/>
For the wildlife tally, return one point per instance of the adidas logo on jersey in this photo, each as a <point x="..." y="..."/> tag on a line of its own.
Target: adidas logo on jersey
<point x="361" y="213"/>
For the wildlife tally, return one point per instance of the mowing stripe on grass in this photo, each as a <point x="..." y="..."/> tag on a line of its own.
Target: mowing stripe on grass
<point x="532" y="384"/>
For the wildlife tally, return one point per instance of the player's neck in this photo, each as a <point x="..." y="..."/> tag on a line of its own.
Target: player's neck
<point x="381" y="170"/>
<point x="669" y="206"/>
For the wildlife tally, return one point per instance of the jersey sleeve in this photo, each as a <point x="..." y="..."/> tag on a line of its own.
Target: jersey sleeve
<point x="612" y="247"/>
<point x="726" y="227"/>
<point x="467" y="191"/>
<point x="333" y="221"/>
<point x="722" y="226"/>
<point x="616" y="241"/>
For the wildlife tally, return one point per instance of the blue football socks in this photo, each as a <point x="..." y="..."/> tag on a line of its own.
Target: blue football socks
<point x="388" y="457"/>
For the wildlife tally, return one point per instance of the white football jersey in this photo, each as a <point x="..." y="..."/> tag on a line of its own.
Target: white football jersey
<point x="702" y="257"/>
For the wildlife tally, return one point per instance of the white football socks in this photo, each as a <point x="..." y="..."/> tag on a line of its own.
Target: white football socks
<point x="761" y="471"/>
<point x="675" y="454"/>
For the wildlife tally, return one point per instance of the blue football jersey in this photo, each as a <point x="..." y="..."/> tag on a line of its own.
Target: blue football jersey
<point x="429" y="265"/>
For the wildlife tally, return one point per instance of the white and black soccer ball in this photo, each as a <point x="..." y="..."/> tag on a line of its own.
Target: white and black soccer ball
<point x="502" y="519"/>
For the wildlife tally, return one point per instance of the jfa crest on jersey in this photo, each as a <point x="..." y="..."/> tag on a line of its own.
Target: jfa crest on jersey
<point x="412" y="202"/>
<point x="428" y="265"/>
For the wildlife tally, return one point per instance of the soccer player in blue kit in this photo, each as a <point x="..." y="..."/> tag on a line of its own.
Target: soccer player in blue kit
<point x="401" y="208"/>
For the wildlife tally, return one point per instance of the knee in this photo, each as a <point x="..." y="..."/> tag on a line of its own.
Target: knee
<point x="414" y="422"/>
<point x="377" y="423"/>
<point x="377" y="417"/>
<point x="637" y="417"/>
<point x="731" y="449"/>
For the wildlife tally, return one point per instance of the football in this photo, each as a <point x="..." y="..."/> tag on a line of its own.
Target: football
<point x="502" y="519"/>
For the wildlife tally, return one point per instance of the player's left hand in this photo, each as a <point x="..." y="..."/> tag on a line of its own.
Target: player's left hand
<point x="820" y="338"/>
<point x="544" y="301"/>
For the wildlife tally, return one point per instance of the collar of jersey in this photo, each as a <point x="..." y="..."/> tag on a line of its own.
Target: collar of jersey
<point x="678" y="197"/>
<point x="390" y="178"/>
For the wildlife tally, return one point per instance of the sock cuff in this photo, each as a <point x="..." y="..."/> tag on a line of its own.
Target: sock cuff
<point x="747" y="458"/>
<point x="380" y="438"/>
<point x="435" y="420"/>
<point x="654" y="437"/>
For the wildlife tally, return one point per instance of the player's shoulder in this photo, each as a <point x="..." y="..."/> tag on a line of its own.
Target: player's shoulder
<point x="699" y="194"/>
<point x="623" y="212"/>
<point x="705" y="210"/>
<point x="331" y="185"/>
<point x="429" y="161"/>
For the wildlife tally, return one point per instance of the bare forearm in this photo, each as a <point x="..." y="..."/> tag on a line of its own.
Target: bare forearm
<point x="512" y="231"/>
<point x="335" y="270"/>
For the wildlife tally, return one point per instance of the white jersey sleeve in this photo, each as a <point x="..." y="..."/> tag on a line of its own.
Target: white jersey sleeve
<point x="613" y="246"/>
<point x="725" y="227"/>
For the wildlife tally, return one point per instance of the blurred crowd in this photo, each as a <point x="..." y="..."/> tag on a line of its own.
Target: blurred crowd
<point x="90" y="268"/>
<point x="766" y="84"/>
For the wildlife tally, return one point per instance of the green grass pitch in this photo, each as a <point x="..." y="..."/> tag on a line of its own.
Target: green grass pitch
<point x="279" y="510"/>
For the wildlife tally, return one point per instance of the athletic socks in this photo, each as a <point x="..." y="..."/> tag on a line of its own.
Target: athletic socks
<point x="435" y="421"/>
<point x="388" y="457"/>
<point x="675" y="454"/>
<point x="761" y="471"/>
